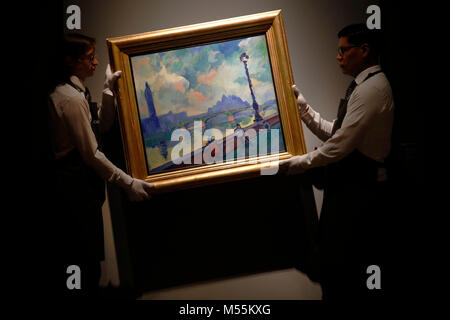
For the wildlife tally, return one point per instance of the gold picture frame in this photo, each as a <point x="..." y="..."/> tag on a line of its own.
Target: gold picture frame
<point x="123" y="51"/>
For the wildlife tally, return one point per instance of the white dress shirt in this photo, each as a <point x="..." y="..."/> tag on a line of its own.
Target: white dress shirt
<point x="367" y="125"/>
<point x="71" y="127"/>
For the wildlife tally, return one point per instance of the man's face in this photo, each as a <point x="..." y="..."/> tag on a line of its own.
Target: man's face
<point x="350" y="57"/>
<point x="86" y="64"/>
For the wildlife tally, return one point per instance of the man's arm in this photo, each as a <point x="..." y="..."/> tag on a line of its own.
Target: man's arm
<point x="361" y="110"/>
<point x="107" y="110"/>
<point x="319" y="126"/>
<point x="76" y="117"/>
<point x="314" y="121"/>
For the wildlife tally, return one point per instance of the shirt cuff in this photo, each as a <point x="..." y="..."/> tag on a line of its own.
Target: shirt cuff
<point x="108" y="91"/>
<point x="307" y="114"/>
<point x="121" y="179"/>
<point x="313" y="159"/>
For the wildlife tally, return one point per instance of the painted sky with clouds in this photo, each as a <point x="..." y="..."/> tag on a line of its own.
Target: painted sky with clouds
<point x="194" y="79"/>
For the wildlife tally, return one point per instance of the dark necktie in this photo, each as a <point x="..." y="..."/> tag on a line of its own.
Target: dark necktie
<point x="343" y="107"/>
<point x="350" y="89"/>
<point x="94" y="114"/>
<point x="87" y="95"/>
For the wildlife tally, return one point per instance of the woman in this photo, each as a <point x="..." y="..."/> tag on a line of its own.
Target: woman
<point x="80" y="167"/>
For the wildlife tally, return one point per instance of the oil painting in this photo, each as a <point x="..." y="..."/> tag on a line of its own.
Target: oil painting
<point x="207" y="103"/>
<point x="226" y="86"/>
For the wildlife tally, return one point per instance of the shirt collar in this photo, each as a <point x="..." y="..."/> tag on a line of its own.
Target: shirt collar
<point x="363" y="75"/>
<point x="77" y="82"/>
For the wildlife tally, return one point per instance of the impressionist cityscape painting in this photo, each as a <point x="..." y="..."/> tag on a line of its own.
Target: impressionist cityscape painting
<point x="226" y="85"/>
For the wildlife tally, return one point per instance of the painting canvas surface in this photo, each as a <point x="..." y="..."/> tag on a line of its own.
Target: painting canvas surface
<point x="226" y="86"/>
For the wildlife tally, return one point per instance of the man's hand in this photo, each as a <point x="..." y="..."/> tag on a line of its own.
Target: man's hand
<point x="291" y="166"/>
<point x="140" y="190"/>
<point x="110" y="79"/>
<point x="301" y="101"/>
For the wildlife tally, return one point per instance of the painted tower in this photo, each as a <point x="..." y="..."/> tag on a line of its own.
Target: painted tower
<point x="152" y="120"/>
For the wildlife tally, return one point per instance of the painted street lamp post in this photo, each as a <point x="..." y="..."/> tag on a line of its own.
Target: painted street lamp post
<point x="244" y="58"/>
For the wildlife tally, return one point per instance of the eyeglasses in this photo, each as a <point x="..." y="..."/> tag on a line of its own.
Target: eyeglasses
<point x="342" y="50"/>
<point x="91" y="57"/>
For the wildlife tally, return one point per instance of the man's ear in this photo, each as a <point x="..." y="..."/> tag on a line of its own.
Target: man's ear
<point x="366" y="49"/>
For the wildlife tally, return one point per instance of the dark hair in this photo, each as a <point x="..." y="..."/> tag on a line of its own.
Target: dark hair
<point x="359" y="34"/>
<point x="76" y="44"/>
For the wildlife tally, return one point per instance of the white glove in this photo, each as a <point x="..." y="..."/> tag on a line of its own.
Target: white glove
<point x="110" y="80"/>
<point x="302" y="104"/>
<point x="139" y="190"/>
<point x="107" y="110"/>
<point x="292" y="165"/>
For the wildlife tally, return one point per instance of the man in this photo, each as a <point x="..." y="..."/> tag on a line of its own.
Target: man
<point x="80" y="167"/>
<point x="352" y="157"/>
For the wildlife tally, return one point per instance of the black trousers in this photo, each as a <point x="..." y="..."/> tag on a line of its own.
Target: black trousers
<point x="353" y="228"/>
<point x="353" y="235"/>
